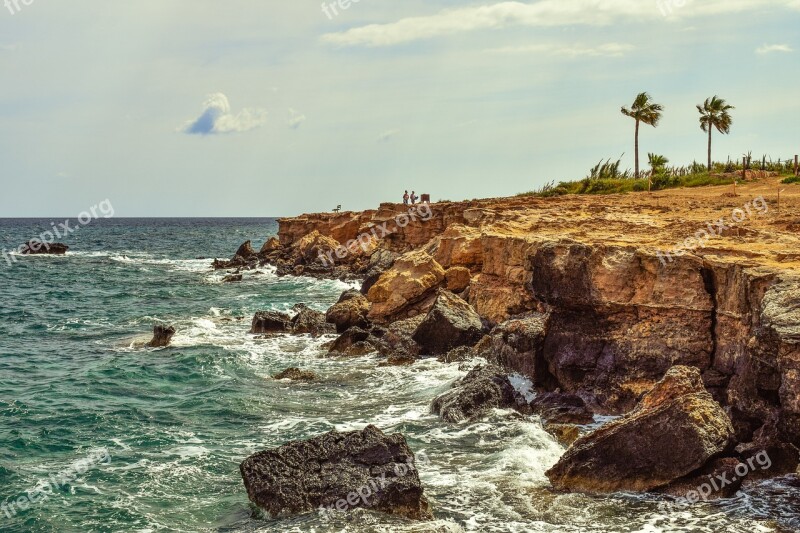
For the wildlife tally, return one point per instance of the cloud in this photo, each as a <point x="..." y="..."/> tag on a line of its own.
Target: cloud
<point x="294" y="119"/>
<point x="387" y="135"/>
<point x="543" y="13"/>
<point x="217" y="118"/>
<point x="769" y="48"/>
<point x="572" y="51"/>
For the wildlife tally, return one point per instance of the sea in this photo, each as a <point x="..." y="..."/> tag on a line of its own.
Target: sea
<point x="99" y="433"/>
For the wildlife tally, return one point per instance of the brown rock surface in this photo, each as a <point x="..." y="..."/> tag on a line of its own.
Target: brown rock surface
<point x="413" y="276"/>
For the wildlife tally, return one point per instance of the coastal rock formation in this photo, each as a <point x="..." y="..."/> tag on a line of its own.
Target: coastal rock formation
<point x="559" y="408"/>
<point x="518" y="344"/>
<point x="457" y="279"/>
<point x="675" y="429"/>
<point x="309" y="321"/>
<point x="483" y="388"/>
<point x="718" y="469"/>
<point x="380" y="261"/>
<point x="450" y="323"/>
<point x="338" y="471"/>
<point x="162" y="336"/>
<point x="271" y="245"/>
<point x="271" y="322"/>
<point x="412" y="278"/>
<point x="232" y="278"/>
<point x="43" y="248"/>
<point x="295" y="374"/>
<point x="354" y="342"/>
<point x="350" y="311"/>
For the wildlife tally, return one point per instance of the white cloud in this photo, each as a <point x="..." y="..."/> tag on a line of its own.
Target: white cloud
<point x="387" y="135"/>
<point x="543" y="13"/>
<point x="607" y="49"/>
<point x="294" y="119"/>
<point x="217" y="118"/>
<point x="769" y="48"/>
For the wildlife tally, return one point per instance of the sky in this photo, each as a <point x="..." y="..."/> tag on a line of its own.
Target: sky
<point x="259" y="108"/>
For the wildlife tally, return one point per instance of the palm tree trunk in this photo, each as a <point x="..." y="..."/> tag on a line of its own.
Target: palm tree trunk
<point x="709" y="149"/>
<point x="637" y="149"/>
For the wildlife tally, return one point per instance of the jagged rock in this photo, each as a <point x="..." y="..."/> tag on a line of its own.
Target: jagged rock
<point x="450" y="323"/>
<point x="380" y="261"/>
<point x="295" y="374"/>
<point x="397" y="336"/>
<point x="271" y="322"/>
<point x="232" y="278"/>
<point x="350" y="311"/>
<point x="316" y="248"/>
<point x="566" y="434"/>
<point x="517" y="345"/>
<point x="412" y="277"/>
<point x="354" y="342"/>
<point x="457" y="355"/>
<point x="457" y="279"/>
<point x="365" y="469"/>
<point x="43" y="248"/>
<point x="162" y="335"/>
<point x="310" y="321"/>
<point x="560" y="408"/>
<point x="245" y="251"/>
<point x="483" y="388"/>
<point x="271" y="245"/>
<point x="768" y="447"/>
<point x="676" y="429"/>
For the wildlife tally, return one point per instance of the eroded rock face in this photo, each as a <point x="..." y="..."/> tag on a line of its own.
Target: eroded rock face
<point x="354" y="342"/>
<point x="162" y="336"/>
<point x="518" y="345"/>
<point x="350" y="311"/>
<point x="366" y="469"/>
<point x="411" y="278"/>
<point x="457" y="279"/>
<point x="43" y="248"/>
<point x="560" y="408"/>
<point x="450" y="323"/>
<point x="271" y="245"/>
<point x="380" y="261"/>
<point x="484" y="387"/>
<point x="676" y="429"/>
<point x="295" y="374"/>
<point x="309" y="321"/>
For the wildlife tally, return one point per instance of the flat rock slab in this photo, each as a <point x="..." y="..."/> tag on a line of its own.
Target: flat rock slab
<point x="337" y="472"/>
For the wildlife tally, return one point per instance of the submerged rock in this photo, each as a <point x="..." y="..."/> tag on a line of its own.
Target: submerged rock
<point x="354" y="342"/>
<point x="43" y="248"/>
<point x="232" y="278"/>
<point x="295" y="374"/>
<point x="450" y="323"/>
<point x="676" y="429"/>
<point x="162" y="335"/>
<point x="484" y="387"/>
<point x="337" y="471"/>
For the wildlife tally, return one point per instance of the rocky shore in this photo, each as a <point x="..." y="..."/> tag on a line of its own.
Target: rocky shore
<point x="698" y="352"/>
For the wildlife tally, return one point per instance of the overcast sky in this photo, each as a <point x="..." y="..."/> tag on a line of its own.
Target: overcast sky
<point x="273" y="107"/>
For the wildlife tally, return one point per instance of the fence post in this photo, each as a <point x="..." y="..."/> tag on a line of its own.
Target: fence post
<point x="744" y="169"/>
<point x="795" y="166"/>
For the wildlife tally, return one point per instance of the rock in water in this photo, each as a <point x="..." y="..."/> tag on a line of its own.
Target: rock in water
<point x="43" y="248"/>
<point x="309" y="321"/>
<point x="366" y="469"/>
<point x="245" y="250"/>
<point x="450" y="323"/>
<point x="676" y="429"/>
<point x="271" y="322"/>
<point x="483" y="388"/>
<point x="295" y="374"/>
<point x="350" y="311"/>
<point x="162" y="335"/>
<point x="561" y="408"/>
<point x="232" y="278"/>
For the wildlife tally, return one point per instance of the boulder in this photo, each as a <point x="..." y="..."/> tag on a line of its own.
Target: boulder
<point x="337" y="471"/>
<point x="350" y="311"/>
<point x="768" y="452"/>
<point x="484" y="387"/>
<point x="232" y="278"/>
<point x="295" y="374"/>
<point x="457" y="279"/>
<point x="517" y="344"/>
<point x="560" y="408"/>
<point x="271" y="322"/>
<point x="245" y="251"/>
<point x="566" y="434"/>
<point x="726" y="481"/>
<point x="450" y="323"/>
<point x="270" y="246"/>
<point x="380" y="261"/>
<point x="43" y="248"/>
<point x="162" y="335"/>
<point x="411" y="277"/>
<point x="675" y="429"/>
<point x="316" y="248"/>
<point x="355" y="342"/>
<point x="310" y="321"/>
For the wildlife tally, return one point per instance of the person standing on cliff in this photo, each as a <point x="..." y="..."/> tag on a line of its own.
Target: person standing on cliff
<point x="413" y="198"/>
<point x="405" y="198"/>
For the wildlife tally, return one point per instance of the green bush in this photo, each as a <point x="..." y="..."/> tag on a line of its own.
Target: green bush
<point x="792" y="179"/>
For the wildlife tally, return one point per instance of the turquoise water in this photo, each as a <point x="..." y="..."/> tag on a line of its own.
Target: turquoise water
<point x="171" y="425"/>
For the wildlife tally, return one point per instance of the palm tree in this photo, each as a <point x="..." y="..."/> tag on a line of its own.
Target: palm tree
<point x="643" y="110"/>
<point x="714" y="114"/>
<point x="657" y="163"/>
